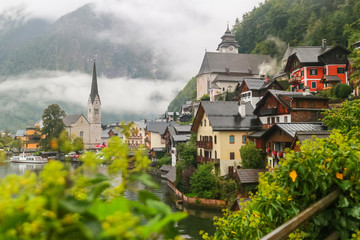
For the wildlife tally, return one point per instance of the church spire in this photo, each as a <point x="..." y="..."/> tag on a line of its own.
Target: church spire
<point x="94" y="86"/>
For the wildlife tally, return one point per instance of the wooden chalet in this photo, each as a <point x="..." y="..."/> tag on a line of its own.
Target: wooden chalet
<point x="287" y="107"/>
<point x="308" y="64"/>
<point x="280" y="136"/>
<point x="253" y="89"/>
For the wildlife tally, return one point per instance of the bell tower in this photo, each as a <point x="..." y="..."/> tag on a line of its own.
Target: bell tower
<point x="228" y="43"/>
<point x="94" y="112"/>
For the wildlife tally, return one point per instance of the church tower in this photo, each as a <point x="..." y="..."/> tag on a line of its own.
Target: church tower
<point x="94" y="112"/>
<point x="228" y="43"/>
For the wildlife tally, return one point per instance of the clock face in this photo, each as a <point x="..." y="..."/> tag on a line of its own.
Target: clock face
<point x="231" y="48"/>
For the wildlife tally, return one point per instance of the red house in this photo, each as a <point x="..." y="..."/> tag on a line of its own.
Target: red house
<point x="314" y="66"/>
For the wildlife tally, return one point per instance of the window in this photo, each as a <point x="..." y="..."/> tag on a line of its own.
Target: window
<point x="244" y="139"/>
<point x="232" y="139"/>
<point x="324" y="71"/>
<point x="313" y="84"/>
<point x="277" y="119"/>
<point x="96" y="111"/>
<point x="285" y="119"/>
<point x="340" y="70"/>
<point x="215" y="139"/>
<point x="268" y="120"/>
<point x="302" y="73"/>
<point x="215" y="154"/>
<point x="81" y="134"/>
<point x="273" y="120"/>
<point x="204" y="123"/>
<point x="232" y="156"/>
<point x="313" y="72"/>
<point x="200" y="152"/>
<point x="301" y="86"/>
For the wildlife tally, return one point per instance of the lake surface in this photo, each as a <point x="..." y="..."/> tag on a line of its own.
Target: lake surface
<point x="198" y="218"/>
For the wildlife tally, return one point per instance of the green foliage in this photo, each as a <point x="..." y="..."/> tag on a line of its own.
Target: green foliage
<point x="63" y="204"/>
<point x="16" y="145"/>
<point x="203" y="182"/>
<point x="342" y="90"/>
<point x="303" y="178"/>
<point x="346" y="119"/>
<point x="53" y="125"/>
<point x="165" y="160"/>
<point x="205" y="97"/>
<point x="355" y="76"/>
<point x="78" y="144"/>
<point x="252" y="157"/>
<point x="187" y="94"/>
<point x="187" y="151"/>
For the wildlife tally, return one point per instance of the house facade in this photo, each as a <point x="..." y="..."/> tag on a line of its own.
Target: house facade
<point x="78" y="126"/>
<point x="222" y="128"/>
<point x="154" y="135"/>
<point x="310" y="66"/>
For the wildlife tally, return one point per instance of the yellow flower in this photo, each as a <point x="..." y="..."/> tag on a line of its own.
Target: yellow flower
<point x="328" y="160"/>
<point x="293" y="175"/>
<point x="339" y="175"/>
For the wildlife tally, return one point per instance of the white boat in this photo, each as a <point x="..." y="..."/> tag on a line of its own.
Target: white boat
<point x="23" y="158"/>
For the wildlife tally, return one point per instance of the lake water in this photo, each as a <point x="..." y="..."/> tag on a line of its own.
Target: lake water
<point x="198" y="218"/>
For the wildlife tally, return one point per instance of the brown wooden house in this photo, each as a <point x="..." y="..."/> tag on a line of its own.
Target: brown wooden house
<point x="280" y="136"/>
<point x="253" y="89"/>
<point x="289" y="107"/>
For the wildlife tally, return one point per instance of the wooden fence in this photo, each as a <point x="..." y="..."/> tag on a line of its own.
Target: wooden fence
<point x="200" y="201"/>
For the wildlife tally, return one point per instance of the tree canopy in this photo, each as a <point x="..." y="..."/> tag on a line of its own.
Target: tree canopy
<point x="53" y="124"/>
<point x="252" y="157"/>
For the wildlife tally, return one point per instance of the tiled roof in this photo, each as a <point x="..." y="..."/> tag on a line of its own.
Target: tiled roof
<point x="220" y="62"/>
<point x="292" y="128"/>
<point x="224" y="115"/>
<point x="249" y="175"/>
<point x="181" y="138"/>
<point x="20" y="133"/>
<point x="255" y="83"/>
<point x="157" y="127"/>
<point x="309" y="54"/>
<point x="71" y="119"/>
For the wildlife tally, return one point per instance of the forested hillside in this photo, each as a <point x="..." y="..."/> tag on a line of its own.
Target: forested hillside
<point x="298" y="22"/>
<point x="187" y="94"/>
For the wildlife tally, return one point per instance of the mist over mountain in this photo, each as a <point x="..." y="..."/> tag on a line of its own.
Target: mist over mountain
<point x="66" y="44"/>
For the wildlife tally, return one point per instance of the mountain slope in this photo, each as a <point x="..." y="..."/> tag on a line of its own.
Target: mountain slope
<point x="67" y="44"/>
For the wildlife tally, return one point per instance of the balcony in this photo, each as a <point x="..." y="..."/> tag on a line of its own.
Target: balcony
<point x="204" y="144"/>
<point x="295" y="80"/>
<point x="203" y="160"/>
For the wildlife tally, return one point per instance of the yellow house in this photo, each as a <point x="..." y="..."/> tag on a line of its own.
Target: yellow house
<point x="222" y="128"/>
<point x="31" y="141"/>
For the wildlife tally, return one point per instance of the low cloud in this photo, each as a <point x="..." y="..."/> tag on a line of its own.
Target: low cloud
<point x="118" y="96"/>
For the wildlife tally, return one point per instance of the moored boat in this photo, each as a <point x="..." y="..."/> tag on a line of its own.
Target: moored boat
<point x="23" y="158"/>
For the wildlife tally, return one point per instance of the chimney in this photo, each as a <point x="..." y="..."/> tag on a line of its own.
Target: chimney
<point x="267" y="79"/>
<point x="241" y="109"/>
<point x="324" y="44"/>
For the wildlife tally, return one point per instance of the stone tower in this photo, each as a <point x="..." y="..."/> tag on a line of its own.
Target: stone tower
<point x="228" y="43"/>
<point x="94" y="112"/>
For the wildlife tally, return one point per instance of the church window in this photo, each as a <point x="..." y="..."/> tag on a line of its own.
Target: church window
<point x="96" y="111"/>
<point x="81" y="134"/>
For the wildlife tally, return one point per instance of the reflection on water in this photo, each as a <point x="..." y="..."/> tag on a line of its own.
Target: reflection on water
<point x="198" y="218"/>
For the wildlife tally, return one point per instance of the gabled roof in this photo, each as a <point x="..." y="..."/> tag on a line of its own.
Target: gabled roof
<point x="20" y="133"/>
<point x="330" y="78"/>
<point x="249" y="175"/>
<point x="227" y="78"/>
<point x="69" y="120"/>
<point x="157" y="127"/>
<point x="219" y="62"/>
<point x="140" y="124"/>
<point x="224" y="115"/>
<point x="282" y="97"/>
<point x="303" y="135"/>
<point x="292" y="128"/>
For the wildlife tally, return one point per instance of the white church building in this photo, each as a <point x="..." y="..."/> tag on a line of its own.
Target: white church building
<point x="88" y="129"/>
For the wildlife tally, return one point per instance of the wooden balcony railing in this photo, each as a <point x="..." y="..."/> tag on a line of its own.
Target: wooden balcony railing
<point x="202" y="160"/>
<point x="288" y="227"/>
<point x="295" y="80"/>
<point x="204" y="144"/>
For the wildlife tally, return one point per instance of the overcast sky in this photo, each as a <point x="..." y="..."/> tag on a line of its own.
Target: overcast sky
<point x="183" y="29"/>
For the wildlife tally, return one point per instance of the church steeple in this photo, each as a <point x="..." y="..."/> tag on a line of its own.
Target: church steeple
<point x="228" y="43"/>
<point x="94" y="87"/>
